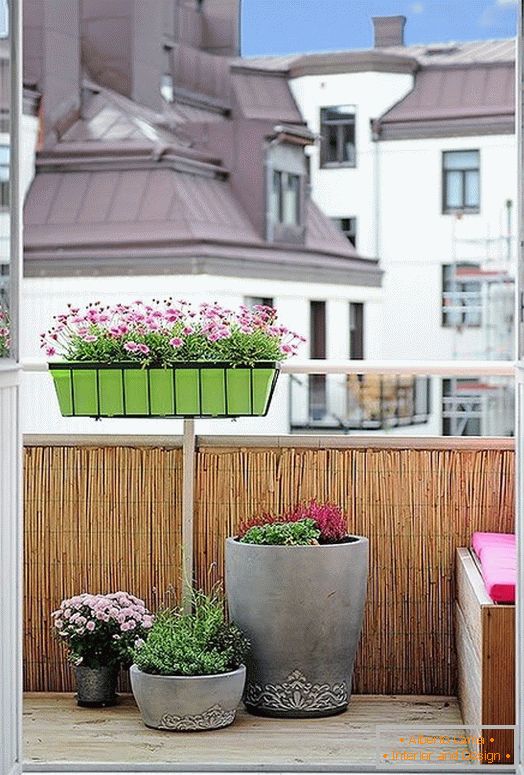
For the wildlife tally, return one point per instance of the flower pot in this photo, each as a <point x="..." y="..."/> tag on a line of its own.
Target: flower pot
<point x="199" y="389"/>
<point x="96" y="686"/>
<point x="301" y="607"/>
<point x="188" y="703"/>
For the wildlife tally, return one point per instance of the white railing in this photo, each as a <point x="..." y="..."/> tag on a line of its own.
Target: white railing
<point x="418" y="367"/>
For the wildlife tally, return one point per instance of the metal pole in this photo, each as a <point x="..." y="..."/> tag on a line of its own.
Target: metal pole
<point x="519" y="390"/>
<point x="188" y="499"/>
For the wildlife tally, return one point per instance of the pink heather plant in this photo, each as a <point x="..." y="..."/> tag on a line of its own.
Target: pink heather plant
<point x="328" y="518"/>
<point x="102" y="629"/>
<point x="167" y="332"/>
<point x="4" y="334"/>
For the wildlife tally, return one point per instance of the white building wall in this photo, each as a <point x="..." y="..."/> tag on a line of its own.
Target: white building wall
<point x="349" y="191"/>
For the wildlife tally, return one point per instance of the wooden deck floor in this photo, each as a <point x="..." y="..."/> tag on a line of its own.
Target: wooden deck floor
<point x="57" y="730"/>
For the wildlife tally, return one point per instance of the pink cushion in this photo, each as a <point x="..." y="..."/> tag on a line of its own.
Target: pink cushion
<point x="497" y="553"/>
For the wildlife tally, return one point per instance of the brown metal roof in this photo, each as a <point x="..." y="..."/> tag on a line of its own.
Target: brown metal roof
<point x="460" y="98"/>
<point x="450" y="53"/>
<point x="265" y="96"/>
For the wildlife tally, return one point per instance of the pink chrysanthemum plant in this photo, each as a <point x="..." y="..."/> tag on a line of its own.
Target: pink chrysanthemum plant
<point x="4" y="334"/>
<point x="102" y="630"/>
<point x="168" y="332"/>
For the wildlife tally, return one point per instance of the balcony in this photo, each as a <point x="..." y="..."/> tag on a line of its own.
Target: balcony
<point x="113" y="513"/>
<point x="364" y="402"/>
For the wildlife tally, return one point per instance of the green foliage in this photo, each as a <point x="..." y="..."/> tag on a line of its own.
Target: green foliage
<point x="197" y="643"/>
<point x="300" y="533"/>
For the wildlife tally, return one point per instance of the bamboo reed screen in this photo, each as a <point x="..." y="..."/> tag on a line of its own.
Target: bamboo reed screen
<point x="108" y="518"/>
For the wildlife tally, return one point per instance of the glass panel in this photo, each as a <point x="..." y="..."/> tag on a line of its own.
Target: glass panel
<point x="330" y="143"/>
<point x="454" y="190"/>
<point x="348" y="143"/>
<point x="472" y="188"/>
<point x="275" y="196"/>
<point x="338" y="113"/>
<point x="4" y="181"/>
<point x="461" y="160"/>
<point x="291" y="200"/>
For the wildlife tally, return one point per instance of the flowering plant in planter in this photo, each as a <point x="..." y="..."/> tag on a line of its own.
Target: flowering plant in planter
<point x="226" y="362"/>
<point x="4" y="334"/>
<point x="307" y="523"/>
<point x="102" y="630"/>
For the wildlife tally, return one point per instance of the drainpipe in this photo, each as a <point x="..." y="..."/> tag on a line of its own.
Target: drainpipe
<point x="375" y="136"/>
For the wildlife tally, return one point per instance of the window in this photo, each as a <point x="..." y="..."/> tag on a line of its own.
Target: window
<point x="317" y="339"/>
<point x="348" y="227"/>
<point x="285" y="198"/>
<point x="337" y="129"/>
<point x="461" y="182"/>
<point x="4" y="176"/>
<point x="356" y="331"/>
<point x="461" y="295"/>
<point x="253" y="301"/>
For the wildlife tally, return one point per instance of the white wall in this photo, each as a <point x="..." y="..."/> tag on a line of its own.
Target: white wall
<point x="346" y="192"/>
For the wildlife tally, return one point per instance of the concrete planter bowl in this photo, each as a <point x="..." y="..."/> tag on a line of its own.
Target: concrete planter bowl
<point x="188" y="703"/>
<point x="301" y="607"/>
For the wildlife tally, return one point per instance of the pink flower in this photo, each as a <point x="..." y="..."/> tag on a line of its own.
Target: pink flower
<point x="176" y="342"/>
<point x="90" y="626"/>
<point x="286" y="348"/>
<point x="50" y="351"/>
<point x="142" y="348"/>
<point x="131" y="347"/>
<point x="90" y="338"/>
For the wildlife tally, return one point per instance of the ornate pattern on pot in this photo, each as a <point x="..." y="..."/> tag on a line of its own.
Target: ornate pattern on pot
<point x="213" y="718"/>
<point x="296" y="693"/>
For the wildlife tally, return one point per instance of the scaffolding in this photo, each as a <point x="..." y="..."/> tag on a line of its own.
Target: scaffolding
<point x="478" y="297"/>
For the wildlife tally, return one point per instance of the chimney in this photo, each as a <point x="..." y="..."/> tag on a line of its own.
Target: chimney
<point x="52" y="61"/>
<point x="122" y="46"/>
<point x="389" y="31"/>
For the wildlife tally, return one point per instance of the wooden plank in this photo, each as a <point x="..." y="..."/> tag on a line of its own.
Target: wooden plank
<point x="469" y="674"/>
<point x="498" y="676"/>
<point x="57" y="730"/>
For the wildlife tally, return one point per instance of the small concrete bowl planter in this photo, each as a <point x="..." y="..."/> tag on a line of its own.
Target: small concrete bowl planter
<point x="301" y="607"/>
<point x="166" y="359"/>
<point x="188" y="703"/>
<point x="188" y="674"/>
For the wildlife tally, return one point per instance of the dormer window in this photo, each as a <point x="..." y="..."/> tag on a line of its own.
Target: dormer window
<point x="286" y="176"/>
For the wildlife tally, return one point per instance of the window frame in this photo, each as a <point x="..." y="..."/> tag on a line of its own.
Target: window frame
<point x="325" y="163"/>
<point x="351" y="233"/>
<point x="466" y="209"/>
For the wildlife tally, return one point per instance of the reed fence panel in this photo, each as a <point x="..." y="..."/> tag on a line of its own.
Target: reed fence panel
<point x="107" y="518"/>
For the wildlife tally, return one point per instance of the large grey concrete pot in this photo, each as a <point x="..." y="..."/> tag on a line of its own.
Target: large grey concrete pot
<point x="301" y="607"/>
<point x="188" y="703"/>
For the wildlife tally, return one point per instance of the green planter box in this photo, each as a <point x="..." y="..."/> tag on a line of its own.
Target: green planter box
<point x="185" y="390"/>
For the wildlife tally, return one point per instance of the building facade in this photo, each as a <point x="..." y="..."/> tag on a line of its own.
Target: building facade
<point x="416" y="163"/>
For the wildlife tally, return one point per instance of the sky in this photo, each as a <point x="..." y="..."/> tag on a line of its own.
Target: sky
<point x="289" y="26"/>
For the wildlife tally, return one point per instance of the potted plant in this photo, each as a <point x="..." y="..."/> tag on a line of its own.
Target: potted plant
<point x="100" y="631"/>
<point x="166" y="359"/>
<point x="296" y="585"/>
<point x="189" y="673"/>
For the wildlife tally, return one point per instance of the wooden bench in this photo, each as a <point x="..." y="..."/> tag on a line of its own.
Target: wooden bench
<point x="485" y="642"/>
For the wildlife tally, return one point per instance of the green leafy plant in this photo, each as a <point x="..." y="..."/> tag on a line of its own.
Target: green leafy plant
<point x="198" y="643"/>
<point x="300" y="533"/>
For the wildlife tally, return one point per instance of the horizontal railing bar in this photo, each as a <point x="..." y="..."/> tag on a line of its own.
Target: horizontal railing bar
<point x="424" y="368"/>
<point x="311" y="441"/>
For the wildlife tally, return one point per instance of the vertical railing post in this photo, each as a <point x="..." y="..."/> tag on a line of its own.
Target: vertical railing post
<point x="188" y="502"/>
